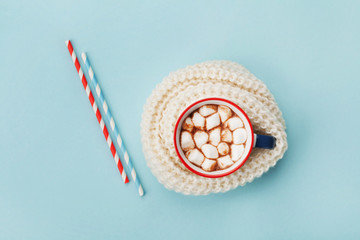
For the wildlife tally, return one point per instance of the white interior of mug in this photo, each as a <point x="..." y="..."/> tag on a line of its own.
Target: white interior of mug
<point x="248" y="145"/>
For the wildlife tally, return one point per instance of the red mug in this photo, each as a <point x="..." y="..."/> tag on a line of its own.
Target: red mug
<point x="253" y="140"/>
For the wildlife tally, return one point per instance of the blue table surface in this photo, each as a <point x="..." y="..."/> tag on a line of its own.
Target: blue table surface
<point x="57" y="177"/>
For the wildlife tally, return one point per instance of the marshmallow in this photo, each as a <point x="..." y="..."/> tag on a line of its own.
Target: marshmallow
<point x="212" y="121"/>
<point x="207" y="110"/>
<point x="187" y="142"/>
<point x="201" y="138"/>
<point x="224" y="162"/>
<point x="237" y="151"/>
<point x="226" y="136"/>
<point x="239" y="135"/>
<point x="215" y="136"/>
<point x="199" y="121"/>
<point x="223" y="148"/>
<point x="208" y="165"/>
<point x="209" y="151"/>
<point x="188" y="125"/>
<point x="225" y="113"/>
<point x="234" y="123"/>
<point x="195" y="156"/>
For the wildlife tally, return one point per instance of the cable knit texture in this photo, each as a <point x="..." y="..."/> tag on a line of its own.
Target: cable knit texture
<point x="222" y="79"/>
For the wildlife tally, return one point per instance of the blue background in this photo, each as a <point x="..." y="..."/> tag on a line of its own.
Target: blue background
<point x="57" y="177"/>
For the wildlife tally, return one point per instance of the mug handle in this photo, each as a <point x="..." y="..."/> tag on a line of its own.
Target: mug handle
<point x="263" y="141"/>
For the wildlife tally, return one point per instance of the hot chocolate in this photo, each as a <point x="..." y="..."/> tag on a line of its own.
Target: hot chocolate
<point x="213" y="137"/>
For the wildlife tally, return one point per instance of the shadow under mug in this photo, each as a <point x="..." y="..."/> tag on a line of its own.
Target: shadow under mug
<point x="254" y="140"/>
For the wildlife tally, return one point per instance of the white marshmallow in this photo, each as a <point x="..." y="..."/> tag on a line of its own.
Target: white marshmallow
<point x="224" y="162"/>
<point x="225" y="113"/>
<point x="223" y="148"/>
<point x="208" y="165"/>
<point x="188" y="124"/>
<point x="215" y="136"/>
<point x="226" y="135"/>
<point x="195" y="156"/>
<point x="199" y="121"/>
<point x="212" y="121"/>
<point x="209" y="151"/>
<point x="201" y="138"/>
<point x="239" y="135"/>
<point x="186" y="142"/>
<point x="237" y="151"/>
<point x="207" y="110"/>
<point x="234" y="123"/>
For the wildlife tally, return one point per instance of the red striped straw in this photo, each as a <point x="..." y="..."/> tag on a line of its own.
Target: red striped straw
<point x="97" y="112"/>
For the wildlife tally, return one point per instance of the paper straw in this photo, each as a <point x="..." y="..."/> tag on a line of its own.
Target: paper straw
<point x="97" y="112"/>
<point x="113" y="127"/>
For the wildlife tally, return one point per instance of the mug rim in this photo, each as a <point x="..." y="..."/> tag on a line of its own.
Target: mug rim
<point x="178" y="151"/>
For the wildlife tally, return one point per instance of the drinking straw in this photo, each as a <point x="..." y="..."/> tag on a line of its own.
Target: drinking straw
<point x="96" y="111"/>
<point x="113" y="127"/>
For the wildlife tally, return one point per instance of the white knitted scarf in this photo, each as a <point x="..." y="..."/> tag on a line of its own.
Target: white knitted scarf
<point x="222" y="79"/>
